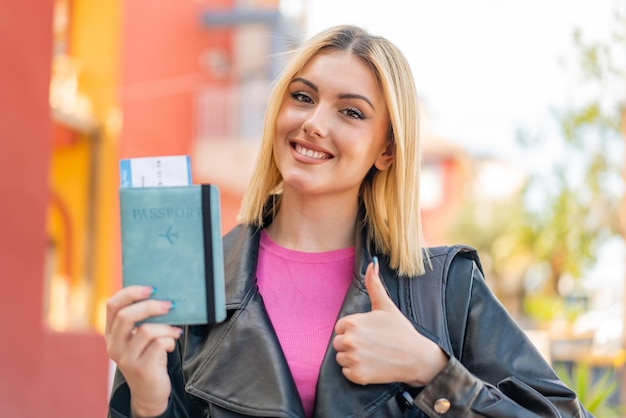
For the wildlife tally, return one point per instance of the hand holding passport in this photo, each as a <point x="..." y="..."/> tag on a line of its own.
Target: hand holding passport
<point x="171" y="238"/>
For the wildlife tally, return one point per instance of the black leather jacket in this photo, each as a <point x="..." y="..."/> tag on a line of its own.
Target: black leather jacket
<point x="237" y="368"/>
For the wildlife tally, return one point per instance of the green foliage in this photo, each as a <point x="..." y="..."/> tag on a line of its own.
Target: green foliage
<point x="494" y="229"/>
<point x="542" y="308"/>
<point x="546" y="308"/>
<point x="581" y="191"/>
<point x="595" y="396"/>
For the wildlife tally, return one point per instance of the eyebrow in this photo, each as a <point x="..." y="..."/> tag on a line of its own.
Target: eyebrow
<point x="341" y="96"/>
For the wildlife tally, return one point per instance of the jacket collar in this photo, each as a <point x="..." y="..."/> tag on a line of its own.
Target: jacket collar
<point x="220" y="371"/>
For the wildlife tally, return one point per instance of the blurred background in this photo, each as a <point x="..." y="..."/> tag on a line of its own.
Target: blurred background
<point x="523" y="129"/>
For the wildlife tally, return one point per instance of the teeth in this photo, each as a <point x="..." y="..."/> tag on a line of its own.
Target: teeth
<point x="310" y="153"/>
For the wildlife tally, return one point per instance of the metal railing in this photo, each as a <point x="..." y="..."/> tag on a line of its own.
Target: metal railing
<point x="231" y="111"/>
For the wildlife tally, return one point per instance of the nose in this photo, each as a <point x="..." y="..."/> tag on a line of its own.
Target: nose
<point x="316" y="122"/>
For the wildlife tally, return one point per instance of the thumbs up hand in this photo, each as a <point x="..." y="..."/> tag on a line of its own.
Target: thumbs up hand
<point x="378" y="294"/>
<point x="382" y="346"/>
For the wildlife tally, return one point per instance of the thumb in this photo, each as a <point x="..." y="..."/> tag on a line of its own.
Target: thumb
<point x="378" y="294"/>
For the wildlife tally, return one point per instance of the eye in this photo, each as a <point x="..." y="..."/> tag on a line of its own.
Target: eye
<point x="353" y="113"/>
<point x="301" y="97"/>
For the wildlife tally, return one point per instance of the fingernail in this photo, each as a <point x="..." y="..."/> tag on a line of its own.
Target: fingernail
<point x="153" y="291"/>
<point x="173" y="304"/>
<point x="376" y="266"/>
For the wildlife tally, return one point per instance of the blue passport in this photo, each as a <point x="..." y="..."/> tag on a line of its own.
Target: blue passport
<point x="172" y="240"/>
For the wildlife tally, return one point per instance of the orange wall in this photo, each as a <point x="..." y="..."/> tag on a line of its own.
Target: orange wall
<point x="95" y="45"/>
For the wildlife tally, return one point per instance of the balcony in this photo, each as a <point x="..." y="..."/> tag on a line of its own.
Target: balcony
<point x="231" y="112"/>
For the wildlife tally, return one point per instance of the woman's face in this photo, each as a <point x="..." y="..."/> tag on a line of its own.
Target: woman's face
<point x="332" y="127"/>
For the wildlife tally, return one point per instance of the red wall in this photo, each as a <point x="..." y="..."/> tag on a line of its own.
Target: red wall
<point x="44" y="374"/>
<point x="435" y="221"/>
<point x="161" y="51"/>
<point x="25" y="134"/>
<point x="163" y="42"/>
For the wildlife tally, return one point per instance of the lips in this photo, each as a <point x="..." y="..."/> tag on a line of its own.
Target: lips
<point x="307" y="152"/>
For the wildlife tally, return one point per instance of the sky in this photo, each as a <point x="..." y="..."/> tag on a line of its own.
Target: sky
<point x="483" y="68"/>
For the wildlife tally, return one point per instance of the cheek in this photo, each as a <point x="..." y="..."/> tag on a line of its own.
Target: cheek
<point x="287" y="120"/>
<point x="363" y="144"/>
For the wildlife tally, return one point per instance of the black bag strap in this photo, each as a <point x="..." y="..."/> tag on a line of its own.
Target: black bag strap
<point x="438" y="301"/>
<point x="449" y="275"/>
<point x="458" y="295"/>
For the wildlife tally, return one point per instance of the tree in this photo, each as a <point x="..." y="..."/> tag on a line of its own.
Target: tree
<point x="493" y="228"/>
<point x="586" y="199"/>
<point x="582" y="199"/>
<point x="584" y="195"/>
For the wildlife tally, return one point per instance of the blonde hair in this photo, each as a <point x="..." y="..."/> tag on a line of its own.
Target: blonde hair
<point x="390" y="197"/>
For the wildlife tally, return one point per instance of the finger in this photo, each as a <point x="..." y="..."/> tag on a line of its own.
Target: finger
<point x="155" y="353"/>
<point x="343" y="359"/>
<point x="338" y="343"/>
<point x="123" y="298"/>
<point x="127" y="318"/>
<point x="378" y="294"/>
<point x="348" y="323"/>
<point x="340" y="326"/>
<point x="354" y="375"/>
<point x="149" y="337"/>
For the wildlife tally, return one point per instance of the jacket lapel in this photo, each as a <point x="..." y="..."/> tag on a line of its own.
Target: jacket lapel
<point x="221" y="369"/>
<point x="240" y="366"/>
<point x="354" y="400"/>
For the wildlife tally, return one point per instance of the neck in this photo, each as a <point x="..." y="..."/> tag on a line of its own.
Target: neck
<point x="314" y="224"/>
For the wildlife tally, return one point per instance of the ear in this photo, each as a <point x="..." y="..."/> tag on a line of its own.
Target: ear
<point x="385" y="159"/>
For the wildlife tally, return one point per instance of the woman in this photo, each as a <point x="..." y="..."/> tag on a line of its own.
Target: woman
<point x="336" y="189"/>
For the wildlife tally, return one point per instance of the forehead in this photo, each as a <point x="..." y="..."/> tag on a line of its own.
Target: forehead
<point x="342" y="71"/>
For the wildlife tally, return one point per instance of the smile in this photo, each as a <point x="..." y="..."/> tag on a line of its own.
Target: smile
<point x="310" y="153"/>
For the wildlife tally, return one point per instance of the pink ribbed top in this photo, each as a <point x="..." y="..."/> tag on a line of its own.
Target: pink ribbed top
<point x="303" y="293"/>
